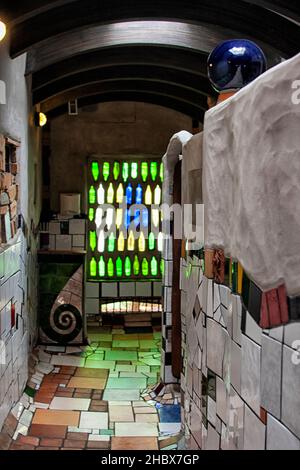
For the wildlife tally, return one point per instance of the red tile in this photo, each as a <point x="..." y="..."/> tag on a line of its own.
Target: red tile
<point x="264" y="312"/>
<point x="46" y="442"/>
<point x="274" y="311"/>
<point x="5" y="441"/>
<point x="263" y="415"/>
<point x="98" y="445"/>
<point x="47" y="448"/>
<point x="51" y="431"/>
<point x="30" y="440"/>
<point x="69" y="443"/>
<point x="284" y="310"/>
<point x="16" y="446"/>
<point x="78" y="436"/>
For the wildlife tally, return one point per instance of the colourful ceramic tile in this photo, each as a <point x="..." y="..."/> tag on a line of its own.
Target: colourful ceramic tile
<point x="136" y="443"/>
<point x="56" y="417"/>
<point x="93" y="420"/>
<point x="86" y="382"/>
<point x="119" y="395"/>
<point x="91" y="373"/>
<point x="75" y="404"/>
<point x="126" y="383"/>
<point x="120" y="356"/>
<point x="136" y="429"/>
<point x="121" y="413"/>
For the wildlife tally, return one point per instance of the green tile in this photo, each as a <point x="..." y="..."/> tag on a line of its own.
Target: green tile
<point x="121" y="395"/>
<point x="106" y="432"/>
<point x="125" y="368"/>
<point x="125" y="344"/>
<point x="95" y="357"/>
<point x="100" y="337"/>
<point x="121" y="356"/>
<point x="148" y="344"/>
<point x="144" y="369"/>
<point x="150" y="361"/>
<point x="100" y="364"/>
<point x="126" y="383"/>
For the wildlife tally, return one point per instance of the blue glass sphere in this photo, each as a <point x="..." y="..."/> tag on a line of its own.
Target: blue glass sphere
<point x="235" y="63"/>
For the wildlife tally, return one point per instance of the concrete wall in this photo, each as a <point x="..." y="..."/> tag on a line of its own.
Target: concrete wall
<point x="109" y="128"/>
<point x="18" y="258"/>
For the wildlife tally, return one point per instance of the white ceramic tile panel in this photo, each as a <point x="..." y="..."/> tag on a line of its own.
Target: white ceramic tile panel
<point x="109" y="289"/>
<point x="271" y="363"/>
<point x="235" y="366"/>
<point x="292" y="335"/>
<point x="236" y="318"/>
<point x="279" y="437"/>
<point x="213" y="439"/>
<point x="127" y="289"/>
<point x="92" y="290"/>
<point x="254" y="432"/>
<point x="222" y="400"/>
<point x="250" y="376"/>
<point x="253" y="331"/>
<point x="290" y="390"/>
<point x="216" y="339"/>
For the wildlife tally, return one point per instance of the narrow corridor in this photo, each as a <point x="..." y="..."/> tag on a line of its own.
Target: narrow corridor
<point x="101" y="396"/>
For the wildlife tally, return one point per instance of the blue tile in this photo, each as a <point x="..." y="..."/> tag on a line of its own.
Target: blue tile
<point x="170" y="414"/>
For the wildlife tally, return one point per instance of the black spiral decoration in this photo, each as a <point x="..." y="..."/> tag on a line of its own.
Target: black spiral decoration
<point x="64" y="324"/>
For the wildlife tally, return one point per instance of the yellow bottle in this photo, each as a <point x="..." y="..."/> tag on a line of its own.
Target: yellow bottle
<point x="121" y="242"/>
<point x="142" y="243"/>
<point x="120" y="194"/>
<point x="130" y="243"/>
<point x="148" y="196"/>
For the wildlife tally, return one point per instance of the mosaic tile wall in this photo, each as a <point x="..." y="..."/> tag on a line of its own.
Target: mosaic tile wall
<point x="240" y="383"/>
<point x="17" y="320"/>
<point x="241" y="332"/>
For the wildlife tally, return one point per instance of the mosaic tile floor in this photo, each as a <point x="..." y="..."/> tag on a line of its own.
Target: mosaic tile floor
<point x="102" y="396"/>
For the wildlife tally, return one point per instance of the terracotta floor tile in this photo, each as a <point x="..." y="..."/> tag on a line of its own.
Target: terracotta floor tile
<point x="46" y="442"/>
<point x="29" y="440"/>
<point x="42" y="430"/>
<point x="64" y="394"/>
<point x="47" y="448"/>
<point x="87" y="382"/>
<point x="82" y="395"/>
<point x="98" y="445"/>
<point x="75" y="444"/>
<point x="134" y="443"/>
<point x="16" y="446"/>
<point x="91" y="373"/>
<point x="78" y="436"/>
<point x="100" y="408"/>
<point x="61" y="418"/>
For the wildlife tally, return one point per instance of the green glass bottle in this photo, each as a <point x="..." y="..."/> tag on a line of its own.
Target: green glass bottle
<point x="162" y="267"/>
<point x="125" y="171"/>
<point x="153" y="170"/>
<point x="144" y="171"/>
<point x="91" y="214"/>
<point x="95" y="170"/>
<point x="93" y="267"/>
<point x="110" y="268"/>
<point x="134" y="170"/>
<point x="92" y="195"/>
<point x="136" y="266"/>
<point x="154" y="266"/>
<point x="111" y="243"/>
<point x="127" y="266"/>
<point x="145" y="267"/>
<point x="101" y="267"/>
<point x="116" y="170"/>
<point x="93" y="240"/>
<point x="161" y="172"/>
<point x="106" y="171"/>
<point x="151" y="241"/>
<point x="119" y="267"/>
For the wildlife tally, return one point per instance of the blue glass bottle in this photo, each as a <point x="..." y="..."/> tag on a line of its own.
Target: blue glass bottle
<point x="137" y="218"/>
<point x="139" y="195"/>
<point x="127" y="218"/>
<point x="129" y="194"/>
<point x="145" y="218"/>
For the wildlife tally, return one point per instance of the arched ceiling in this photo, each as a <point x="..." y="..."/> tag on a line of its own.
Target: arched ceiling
<point x="153" y="51"/>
